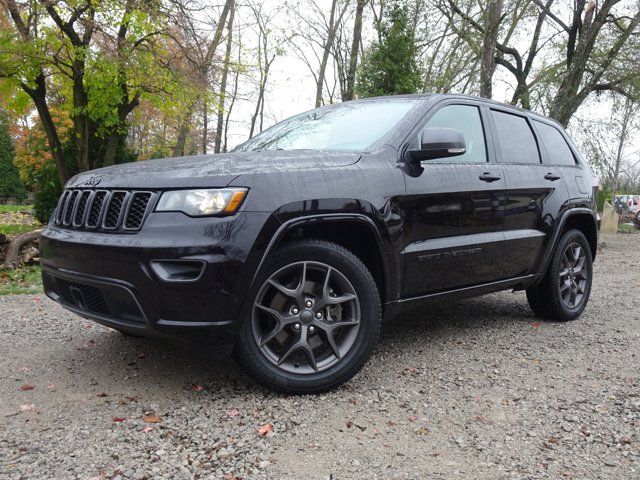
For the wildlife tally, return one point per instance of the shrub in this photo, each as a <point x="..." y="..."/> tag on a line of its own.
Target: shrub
<point x="10" y="184"/>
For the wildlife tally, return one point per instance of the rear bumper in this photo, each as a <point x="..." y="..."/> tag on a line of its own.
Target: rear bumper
<point x="109" y="278"/>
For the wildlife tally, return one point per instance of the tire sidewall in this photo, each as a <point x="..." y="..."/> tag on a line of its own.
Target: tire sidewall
<point x="249" y="353"/>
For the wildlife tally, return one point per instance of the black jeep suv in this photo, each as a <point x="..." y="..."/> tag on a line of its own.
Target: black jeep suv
<point x="292" y="249"/>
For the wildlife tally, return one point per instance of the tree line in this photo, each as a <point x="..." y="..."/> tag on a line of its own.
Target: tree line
<point x="87" y="83"/>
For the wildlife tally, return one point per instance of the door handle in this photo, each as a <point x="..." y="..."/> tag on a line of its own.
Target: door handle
<point x="552" y="177"/>
<point x="489" y="177"/>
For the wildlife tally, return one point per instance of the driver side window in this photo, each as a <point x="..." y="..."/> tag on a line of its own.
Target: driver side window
<point x="466" y="119"/>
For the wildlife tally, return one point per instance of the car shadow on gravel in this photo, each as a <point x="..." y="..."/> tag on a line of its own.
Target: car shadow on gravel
<point x="496" y="311"/>
<point x="128" y="364"/>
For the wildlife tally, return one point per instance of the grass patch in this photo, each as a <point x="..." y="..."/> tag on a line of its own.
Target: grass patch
<point x="15" y="230"/>
<point x="17" y="219"/>
<point x="15" y="208"/>
<point x="25" y="280"/>
<point x="627" y="228"/>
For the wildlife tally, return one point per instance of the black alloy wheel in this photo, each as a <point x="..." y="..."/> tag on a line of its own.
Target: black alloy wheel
<point x="573" y="275"/>
<point x="306" y="317"/>
<point x="314" y="319"/>
<point x="564" y="291"/>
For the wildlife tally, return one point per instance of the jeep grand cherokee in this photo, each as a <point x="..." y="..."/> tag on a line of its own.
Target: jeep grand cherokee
<point x="292" y="249"/>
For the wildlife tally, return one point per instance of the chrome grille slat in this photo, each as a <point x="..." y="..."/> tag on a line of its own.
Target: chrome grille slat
<point x="78" y="218"/>
<point x="115" y="211"/>
<point x="95" y="211"/>
<point x="136" y="210"/>
<point x="70" y="205"/>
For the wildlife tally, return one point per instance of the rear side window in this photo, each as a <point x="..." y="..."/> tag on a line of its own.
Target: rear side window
<point x="466" y="119"/>
<point x="516" y="140"/>
<point x="556" y="146"/>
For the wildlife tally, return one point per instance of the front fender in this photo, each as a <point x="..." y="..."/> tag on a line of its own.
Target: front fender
<point x="302" y="214"/>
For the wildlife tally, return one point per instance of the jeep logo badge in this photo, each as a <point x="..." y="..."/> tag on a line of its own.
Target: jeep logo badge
<point x="92" y="181"/>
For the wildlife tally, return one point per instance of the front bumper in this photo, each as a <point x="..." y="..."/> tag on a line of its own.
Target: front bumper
<point x="109" y="277"/>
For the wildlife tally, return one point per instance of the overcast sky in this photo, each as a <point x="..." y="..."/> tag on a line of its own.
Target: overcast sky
<point x="291" y="88"/>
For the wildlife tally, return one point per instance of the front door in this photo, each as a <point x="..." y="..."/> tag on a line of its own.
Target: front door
<point x="453" y="210"/>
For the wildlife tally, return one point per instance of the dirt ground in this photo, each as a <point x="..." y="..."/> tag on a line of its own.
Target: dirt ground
<point x="475" y="389"/>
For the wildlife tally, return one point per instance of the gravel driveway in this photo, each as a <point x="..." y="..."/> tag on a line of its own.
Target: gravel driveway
<point x="475" y="389"/>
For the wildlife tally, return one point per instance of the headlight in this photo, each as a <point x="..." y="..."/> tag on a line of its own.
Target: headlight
<point x="199" y="203"/>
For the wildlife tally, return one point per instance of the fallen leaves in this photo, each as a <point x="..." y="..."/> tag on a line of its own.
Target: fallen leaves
<point x="102" y="394"/>
<point x="26" y="387"/>
<point x="119" y="419"/>
<point x="535" y="324"/>
<point x="411" y="371"/>
<point x="151" y="418"/>
<point x="265" y="429"/>
<point x="196" y="388"/>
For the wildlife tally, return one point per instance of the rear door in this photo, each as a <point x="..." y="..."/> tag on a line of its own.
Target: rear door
<point x="453" y="210"/>
<point x="536" y="191"/>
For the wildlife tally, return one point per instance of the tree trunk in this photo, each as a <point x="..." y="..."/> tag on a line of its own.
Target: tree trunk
<point x="355" y="47"/>
<point x="223" y="82"/>
<point x="490" y="38"/>
<point x="234" y="94"/>
<point x="39" y="97"/>
<point x="110" y="150"/>
<point x="624" y="134"/>
<point x="205" y="125"/>
<point x="181" y="142"/>
<point x="80" y="115"/>
<point x="13" y="249"/>
<point x="331" y="33"/>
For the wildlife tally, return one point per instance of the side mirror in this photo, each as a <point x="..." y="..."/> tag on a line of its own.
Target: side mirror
<point x="439" y="143"/>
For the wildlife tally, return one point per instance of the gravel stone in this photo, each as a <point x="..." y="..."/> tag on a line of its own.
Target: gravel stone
<point x="493" y="391"/>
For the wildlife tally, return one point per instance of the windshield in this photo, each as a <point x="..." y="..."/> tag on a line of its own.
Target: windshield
<point x="348" y="126"/>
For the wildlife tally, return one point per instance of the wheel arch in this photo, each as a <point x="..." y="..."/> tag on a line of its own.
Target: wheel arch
<point x="583" y="219"/>
<point x="358" y="233"/>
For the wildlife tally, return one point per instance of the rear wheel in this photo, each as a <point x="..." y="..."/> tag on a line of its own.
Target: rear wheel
<point x="564" y="291"/>
<point x="314" y="320"/>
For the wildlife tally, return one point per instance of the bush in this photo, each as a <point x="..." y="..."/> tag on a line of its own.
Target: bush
<point x="604" y="195"/>
<point x="10" y="184"/>
<point x="47" y="193"/>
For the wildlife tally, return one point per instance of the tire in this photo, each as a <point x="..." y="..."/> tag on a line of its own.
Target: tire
<point x="563" y="293"/>
<point x="284" y="341"/>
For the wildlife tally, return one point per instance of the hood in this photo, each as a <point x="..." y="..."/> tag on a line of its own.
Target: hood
<point x="208" y="170"/>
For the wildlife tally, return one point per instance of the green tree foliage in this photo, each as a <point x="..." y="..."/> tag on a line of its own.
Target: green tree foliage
<point x="390" y="66"/>
<point x="10" y="184"/>
<point x="97" y="60"/>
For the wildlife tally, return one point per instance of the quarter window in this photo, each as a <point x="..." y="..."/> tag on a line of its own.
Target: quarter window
<point x="466" y="119"/>
<point x="556" y="146"/>
<point x="516" y="140"/>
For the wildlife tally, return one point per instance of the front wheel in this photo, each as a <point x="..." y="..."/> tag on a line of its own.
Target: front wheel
<point x="563" y="293"/>
<point x="314" y="320"/>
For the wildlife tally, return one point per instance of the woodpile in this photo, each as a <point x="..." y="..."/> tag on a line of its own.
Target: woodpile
<point x="22" y="250"/>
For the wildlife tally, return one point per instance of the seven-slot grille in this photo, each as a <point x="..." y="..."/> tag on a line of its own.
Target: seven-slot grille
<point x="104" y="210"/>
